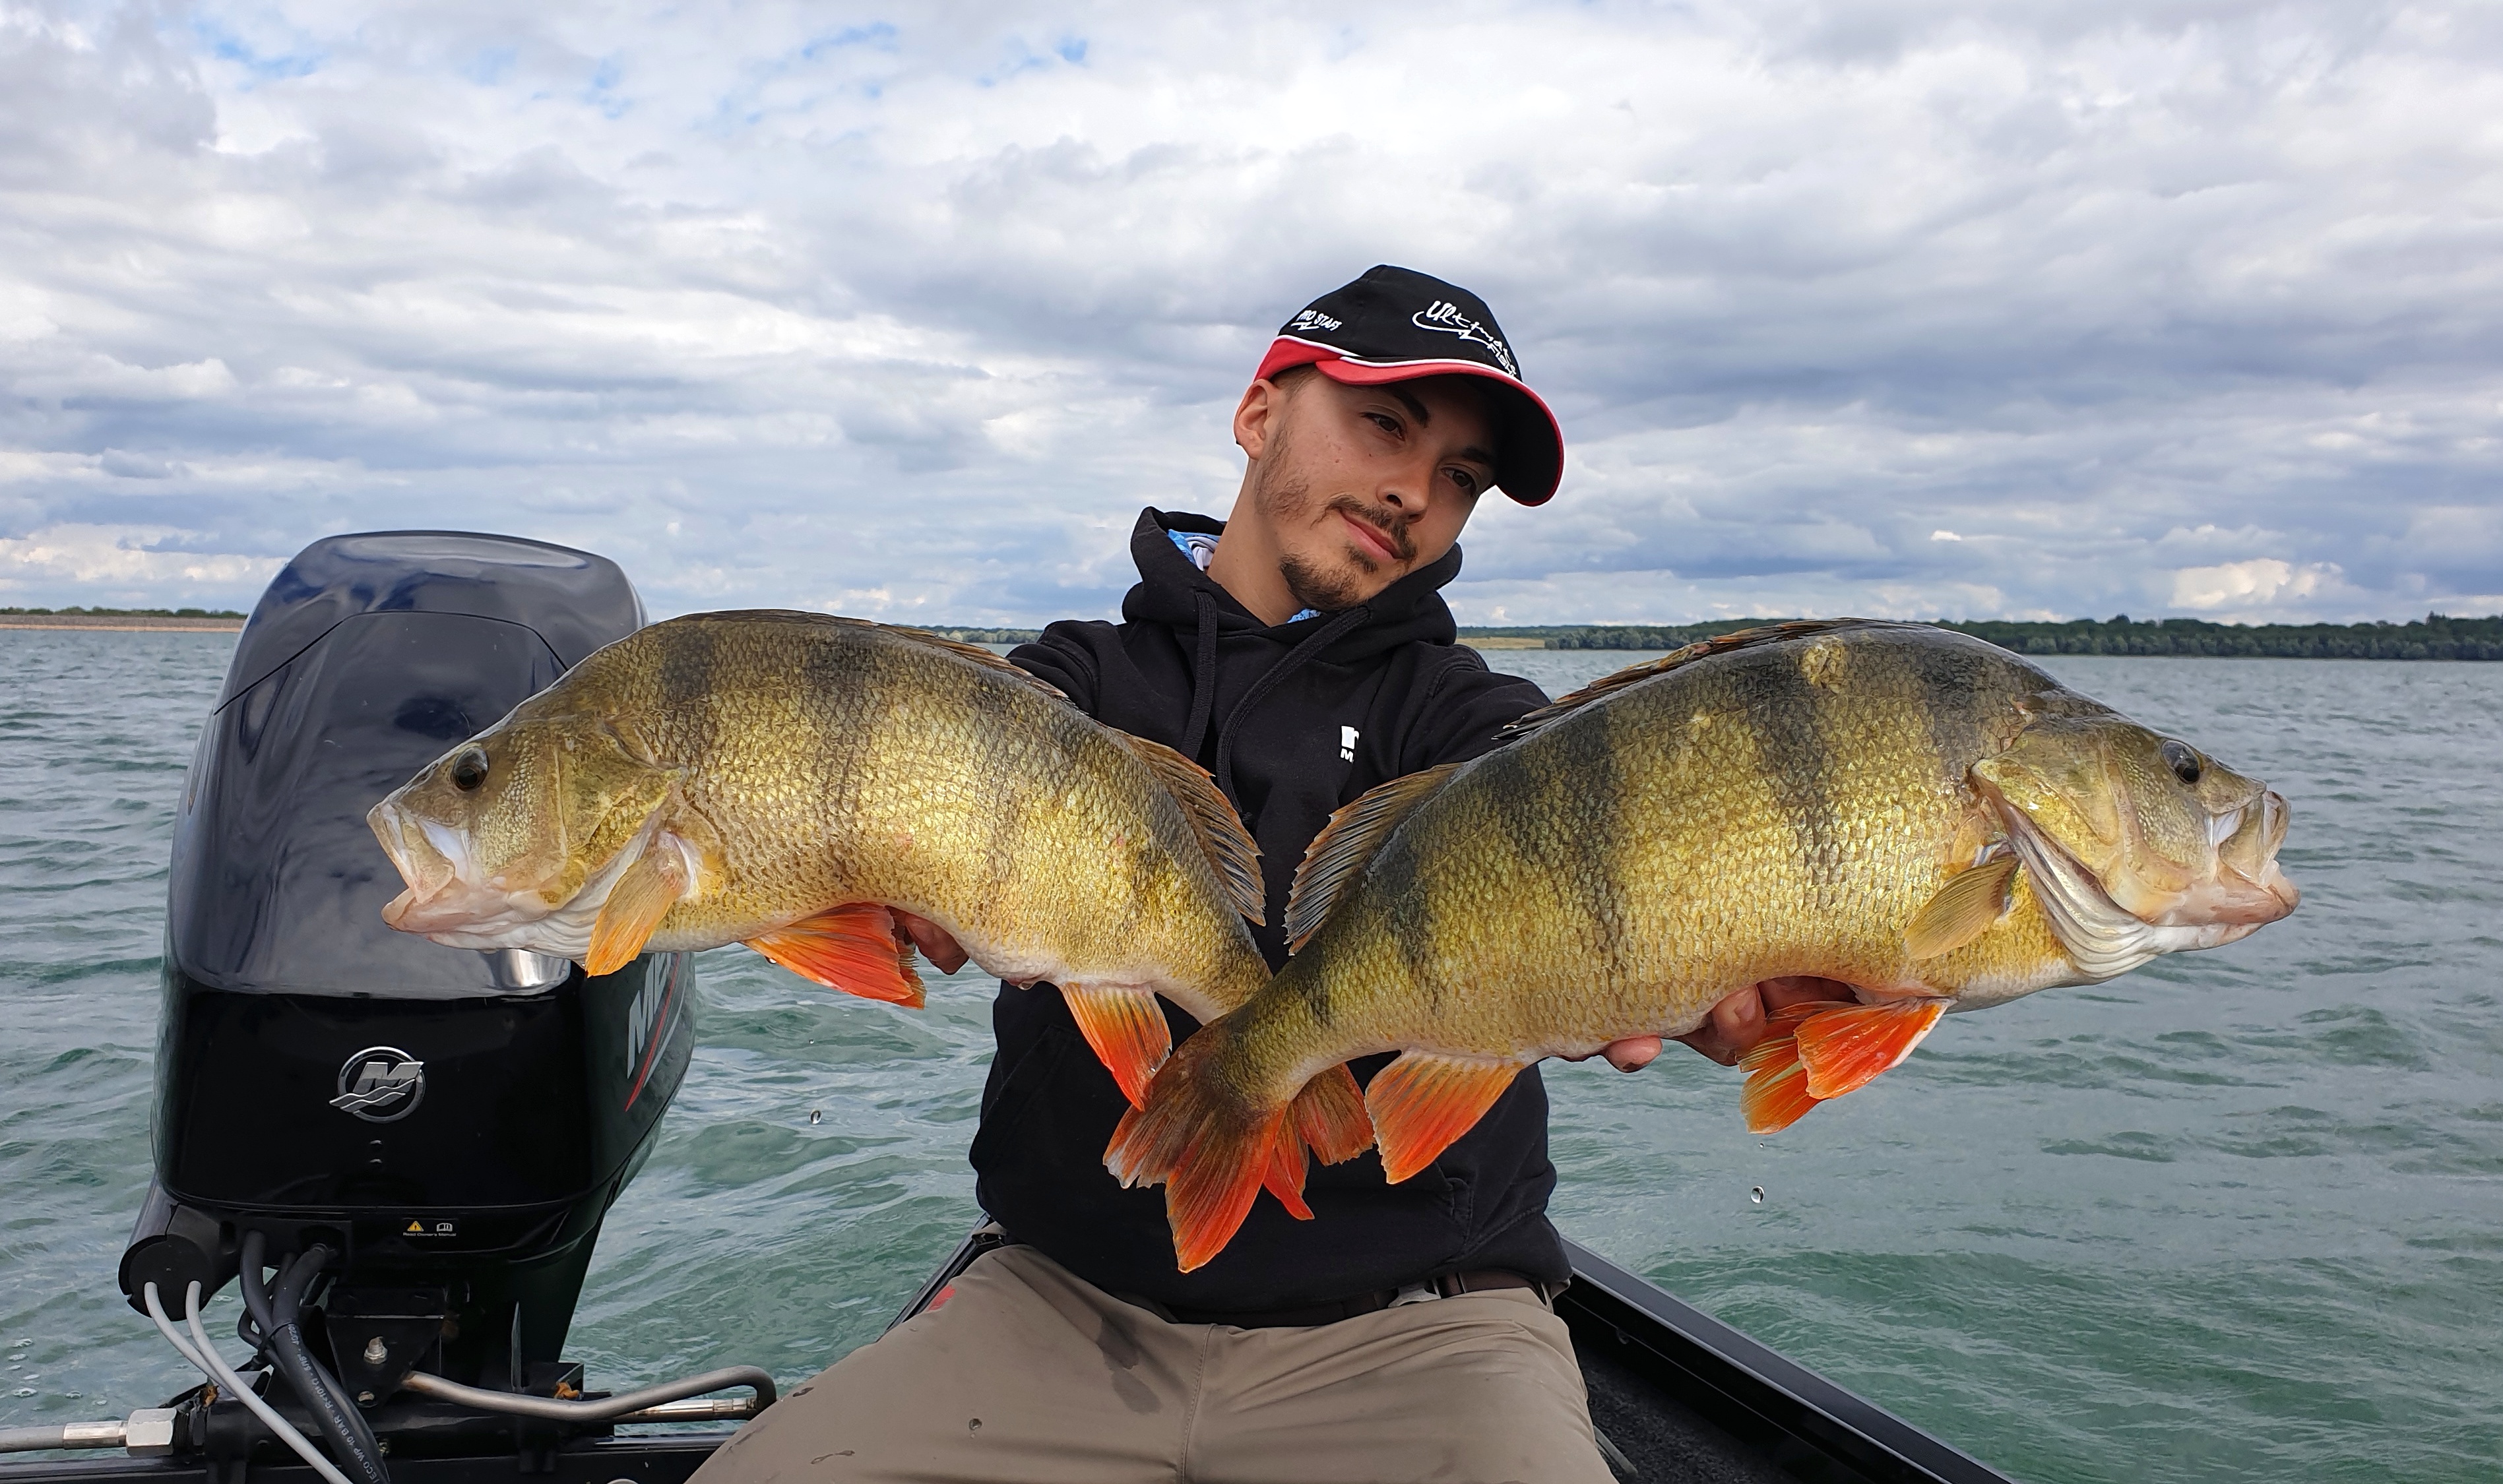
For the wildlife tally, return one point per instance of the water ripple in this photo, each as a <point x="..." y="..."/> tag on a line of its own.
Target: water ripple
<point x="2237" y="1217"/>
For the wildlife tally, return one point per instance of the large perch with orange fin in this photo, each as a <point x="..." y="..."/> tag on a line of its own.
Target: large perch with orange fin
<point x="791" y="781"/>
<point x="1906" y="810"/>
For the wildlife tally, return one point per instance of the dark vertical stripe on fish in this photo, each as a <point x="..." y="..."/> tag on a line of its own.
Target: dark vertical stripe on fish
<point x="998" y="744"/>
<point x="688" y="674"/>
<point x="1408" y="910"/>
<point x="1948" y="679"/>
<point x="1560" y="796"/>
<point x="1782" y="707"/>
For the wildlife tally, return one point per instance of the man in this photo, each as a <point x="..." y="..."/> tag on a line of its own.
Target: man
<point x="1301" y="652"/>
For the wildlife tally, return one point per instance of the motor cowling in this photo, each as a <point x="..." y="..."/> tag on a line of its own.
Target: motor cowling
<point x="454" y="1124"/>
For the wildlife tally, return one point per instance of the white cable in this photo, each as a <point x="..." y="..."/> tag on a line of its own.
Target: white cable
<point x="206" y="1358"/>
<point x="174" y="1336"/>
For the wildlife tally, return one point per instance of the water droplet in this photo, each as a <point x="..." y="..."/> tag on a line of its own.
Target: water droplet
<point x="1755" y="1197"/>
<point x="973" y="1424"/>
<point x="816" y="1115"/>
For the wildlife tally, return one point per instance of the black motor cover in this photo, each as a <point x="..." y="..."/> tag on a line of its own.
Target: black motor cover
<point x="454" y="1122"/>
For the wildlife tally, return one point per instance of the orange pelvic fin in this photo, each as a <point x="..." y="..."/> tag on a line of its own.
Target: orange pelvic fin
<point x="1423" y="1101"/>
<point x="636" y="905"/>
<point x="1844" y="1050"/>
<point x="855" y="948"/>
<point x="1127" y="1028"/>
<point x="1777" y="1094"/>
<point x="1211" y="1150"/>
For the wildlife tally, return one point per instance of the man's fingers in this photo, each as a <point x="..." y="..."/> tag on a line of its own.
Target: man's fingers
<point x="936" y="943"/>
<point x="1740" y="1019"/>
<point x="1633" y="1053"/>
<point x="1734" y="1023"/>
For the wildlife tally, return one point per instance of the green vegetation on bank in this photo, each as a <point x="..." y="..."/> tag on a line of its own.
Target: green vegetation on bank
<point x="121" y="613"/>
<point x="2432" y="637"/>
<point x="987" y="635"/>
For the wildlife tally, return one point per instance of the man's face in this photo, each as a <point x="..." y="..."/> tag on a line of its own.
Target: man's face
<point x="1359" y="486"/>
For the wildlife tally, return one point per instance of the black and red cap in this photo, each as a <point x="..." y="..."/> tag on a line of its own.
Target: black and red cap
<point x="1396" y="325"/>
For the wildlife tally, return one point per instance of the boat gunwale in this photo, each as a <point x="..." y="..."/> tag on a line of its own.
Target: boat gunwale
<point x="1792" y="1417"/>
<point x="1750" y="1390"/>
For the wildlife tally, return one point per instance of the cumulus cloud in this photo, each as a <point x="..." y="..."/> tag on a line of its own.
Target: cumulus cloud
<point x="1887" y="307"/>
<point x="2260" y="585"/>
<point x="125" y="565"/>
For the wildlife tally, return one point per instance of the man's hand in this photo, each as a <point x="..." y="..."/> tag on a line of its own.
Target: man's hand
<point x="1737" y="1022"/>
<point x="936" y="943"/>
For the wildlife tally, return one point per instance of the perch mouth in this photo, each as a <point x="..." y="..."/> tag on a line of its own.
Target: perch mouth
<point x="2249" y="887"/>
<point x="442" y="900"/>
<point x="2106" y="934"/>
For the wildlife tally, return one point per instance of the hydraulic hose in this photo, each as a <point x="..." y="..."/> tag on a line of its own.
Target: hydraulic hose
<point x="605" y="1410"/>
<point x="280" y="1317"/>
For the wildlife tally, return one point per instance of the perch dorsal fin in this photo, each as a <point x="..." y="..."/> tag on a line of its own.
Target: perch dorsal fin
<point x="1340" y="851"/>
<point x="1231" y="852"/>
<point x="1635" y="674"/>
<point x="977" y="653"/>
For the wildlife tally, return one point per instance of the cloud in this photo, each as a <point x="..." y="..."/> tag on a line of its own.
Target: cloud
<point x="1886" y="307"/>
<point x="2262" y="584"/>
<point x="125" y="565"/>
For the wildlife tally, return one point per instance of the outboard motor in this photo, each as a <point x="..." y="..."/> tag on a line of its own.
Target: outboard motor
<point x="422" y="1140"/>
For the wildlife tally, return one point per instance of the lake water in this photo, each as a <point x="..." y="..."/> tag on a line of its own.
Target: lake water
<point x="2237" y="1216"/>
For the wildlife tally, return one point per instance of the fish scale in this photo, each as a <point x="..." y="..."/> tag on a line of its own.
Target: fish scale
<point x="793" y="779"/>
<point x="1792" y="801"/>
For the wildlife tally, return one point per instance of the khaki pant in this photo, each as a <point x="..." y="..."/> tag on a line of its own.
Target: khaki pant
<point x="1028" y="1373"/>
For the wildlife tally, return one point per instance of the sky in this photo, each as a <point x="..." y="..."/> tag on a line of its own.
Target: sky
<point x="2044" y="310"/>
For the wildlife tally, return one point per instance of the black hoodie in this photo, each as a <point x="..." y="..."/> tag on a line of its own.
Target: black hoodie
<point x="1295" y="719"/>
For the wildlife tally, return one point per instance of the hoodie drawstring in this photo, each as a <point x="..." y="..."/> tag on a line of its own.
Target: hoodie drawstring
<point x="1322" y="639"/>
<point x="1203" y="677"/>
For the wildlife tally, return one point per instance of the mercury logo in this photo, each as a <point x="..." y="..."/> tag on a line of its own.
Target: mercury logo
<point x="381" y="1085"/>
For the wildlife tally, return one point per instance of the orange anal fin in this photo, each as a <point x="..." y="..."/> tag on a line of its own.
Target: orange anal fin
<point x="1844" y="1050"/>
<point x="1329" y="1116"/>
<point x="1423" y="1101"/>
<point x="853" y="948"/>
<point x="1127" y="1028"/>
<point x="1777" y="1094"/>
<point x="642" y="896"/>
<point x="1787" y="1020"/>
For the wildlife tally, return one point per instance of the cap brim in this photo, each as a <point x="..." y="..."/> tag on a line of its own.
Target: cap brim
<point x="1532" y="458"/>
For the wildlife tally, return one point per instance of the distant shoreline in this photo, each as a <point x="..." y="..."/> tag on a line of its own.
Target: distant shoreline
<point x="120" y="623"/>
<point x="2430" y="638"/>
<point x="2434" y="636"/>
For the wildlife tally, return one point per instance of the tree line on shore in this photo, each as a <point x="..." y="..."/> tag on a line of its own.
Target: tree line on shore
<point x="2432" y="637"/>
<point x="120" y="613"/>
